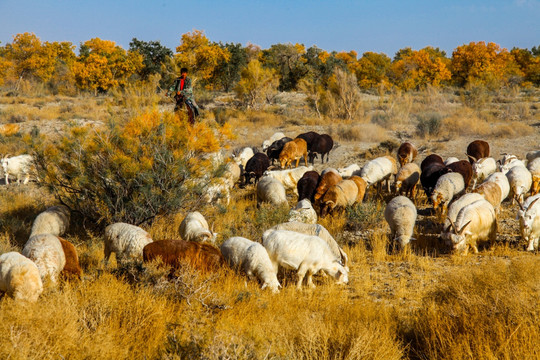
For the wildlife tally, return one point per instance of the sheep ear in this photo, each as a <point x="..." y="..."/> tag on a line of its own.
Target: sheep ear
<point x="463" y="228"/>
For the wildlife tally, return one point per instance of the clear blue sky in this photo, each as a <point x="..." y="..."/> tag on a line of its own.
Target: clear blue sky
<point x="341" y="25"/>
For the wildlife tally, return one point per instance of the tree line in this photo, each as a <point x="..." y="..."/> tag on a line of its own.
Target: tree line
<point x="252" y="72"/>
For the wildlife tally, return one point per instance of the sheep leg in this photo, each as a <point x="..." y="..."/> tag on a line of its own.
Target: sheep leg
<point x="298" y="162"/>
<point x="305" y="160"/>
<point x="7" y="178"/>
<point x="107" y="254"/>
<point x="301" y="274"/>
<point x="310" y="279"/>
<point x="26" y="179"/>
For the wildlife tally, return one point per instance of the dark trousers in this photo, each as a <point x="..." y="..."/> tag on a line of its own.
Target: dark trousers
<point x="180" y="104"/>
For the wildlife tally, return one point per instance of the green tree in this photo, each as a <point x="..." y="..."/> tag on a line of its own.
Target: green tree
<point x="227" y="72"/>
<point x="155" y="57"/>
<point x="289" y="63"/>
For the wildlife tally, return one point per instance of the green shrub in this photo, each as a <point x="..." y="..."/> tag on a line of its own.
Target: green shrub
<point x="429" y="124"/>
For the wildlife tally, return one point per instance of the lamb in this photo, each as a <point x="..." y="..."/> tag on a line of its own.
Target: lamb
<point x="255" y="167"/>
<point x="321" y="145"/>
<point x="18" y="166"/>
<point x="406" y="179"/>
<point x="339" y="196"/>
<point x="447" y="187"/>
<point x="477" y="149"/>
<point x="54" y="220"/>
<point x="482" y="168"/>
<point x="232" y="172"/>
<point x="400" y="214"/>
<point x="491" y="191"/>
<point x="19" y="277"/>
<point x="317" y="230"/>
<point x="309" y="137"/>
<point x="328" y="180"/>
<point x="348" y="171"/>
<point x="252" y="258"/>
<point x="520" y="180"/>
<point x="293" y="150"/>
<point x="529" y="221"/>
<point x="464" y="168"/>
<point x="304" y="253"/>
<point x="362" y="187"/>
<point x="406" y="153"/>
<point x="307" y="186"/>
<point x="72" y="267"/>
<point x="126" y="241"/>
<point x="46" y="251"/>
<point x="194" y="227"/>
<point x="277" y="136"/>
<point x="453" y="211"/>
<point x="378" y="170"/>
<point x="534" y="167"/>
<point x="500" y="179"/>
<point x="241" y="156"/>
<point x="476" y="223"/>
<point x="271" y="190"/>
<point x="451" y="160"/>
<point x="200" y="256"/>
<point x="289" y="177"/>
<point x="275" y="148"/>
<point x="303" y="212"/>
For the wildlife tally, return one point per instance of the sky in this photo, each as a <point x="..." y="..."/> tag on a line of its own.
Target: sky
<point x="341" y="25"/>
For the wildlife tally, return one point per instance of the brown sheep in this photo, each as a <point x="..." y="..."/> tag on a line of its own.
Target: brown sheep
<point x="464" y="168"/>
<point x="492" y="193"/>
<point x="406" y="153"/>
<point x="72" y="267"/>
<point x="200" y="256"/>
<point x="406" y="180"/>
<point x="339" y="196"/>
<point x="362" y="186"/>
<point x="328" y="180"/>
<point x="293" y="150"/>
<point x="477" y="149"/>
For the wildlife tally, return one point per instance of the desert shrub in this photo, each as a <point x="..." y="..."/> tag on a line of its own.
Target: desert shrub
<point x="362" y="216"/>
<point x="429" y="124"/>
<point x="362" y="132"/>
<point x="381" y="119"/>
<point x="130" y="170"/>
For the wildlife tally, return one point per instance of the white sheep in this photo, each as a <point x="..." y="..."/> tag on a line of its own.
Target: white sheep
<point x="316" y="230"/>
<point x="330" y="170"/>
<point x="19" y="277"/>
<point x="453" y="211"/>
<point x="448" y="186"/>
<point x="378" y="170"/>
<point x="241" y="158"/>
<point x="508" y="162"/>
<point x="475" y="223"/>
<point x="46" y="251"/>
<point x="289" y="177"/>
<point x="304" y="253"/>
<point x="529" y="221"/>
<point x="534" y="167"/>
<point x="451" y="160"/>
<point x="220" y="188"/>
<point x="126" y="241"/>
<point x="270" y="190"/>
<point x="482" y="168"/>
<point x="232" y="172"/>
<point x="54" y="220"/>
<point x="194" y="227"/>
<point x="303" y="212"/>
<point x="500" y="179"/>
<point x="17" y="166"/>
<point x="400" y="213"/>
<point x="277" y="136"/>
<point x="348" y="171"/>
<point x="531" y="155"/>
<point x="491" y="191"/>
<point x="520" y="180"/>
<point x="252" y="258"/>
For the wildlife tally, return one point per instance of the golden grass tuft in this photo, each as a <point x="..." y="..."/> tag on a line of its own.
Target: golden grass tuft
<point x="9" y="129"/>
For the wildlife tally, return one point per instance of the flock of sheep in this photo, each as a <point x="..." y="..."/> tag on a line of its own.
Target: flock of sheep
<point x="466" y="196"/>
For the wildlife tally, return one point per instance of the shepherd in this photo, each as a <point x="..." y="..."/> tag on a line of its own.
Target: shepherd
<point x="183" y="94"/>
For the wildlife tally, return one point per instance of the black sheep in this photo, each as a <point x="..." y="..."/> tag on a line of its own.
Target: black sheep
<point x="321" y="145"/>
<point x="255" y="167"/>
<point x="307" y="185"/>
<point x="310" y="136"/>
<point x="275" y="148"/>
